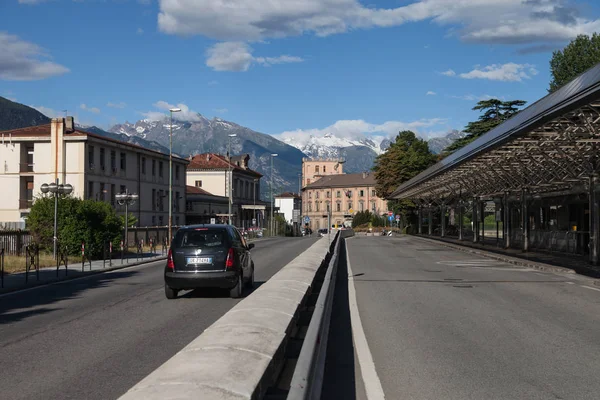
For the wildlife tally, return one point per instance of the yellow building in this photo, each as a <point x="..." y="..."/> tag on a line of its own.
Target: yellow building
<point x="313" y="169"/>
<point x="338" y="198"/>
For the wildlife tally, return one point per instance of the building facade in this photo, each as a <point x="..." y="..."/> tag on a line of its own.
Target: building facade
<point x="213" y="172"/>
<point x="97" y="167"/>
<point x="338" y="197"/>
<point x="314" y="169"/>
<point x="203" y="207"/>
<point x="288" y="202"/>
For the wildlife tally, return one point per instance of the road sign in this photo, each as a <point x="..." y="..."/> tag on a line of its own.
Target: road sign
<point x="306" y="219"/>
<point x="397" y="217"/>
<point x="390" y="213"/>
<point x="213" y="221"/>
<point x="351" y="211"/>
<point x="253" y="221"/>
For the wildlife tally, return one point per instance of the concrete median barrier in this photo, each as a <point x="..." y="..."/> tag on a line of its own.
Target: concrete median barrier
<point x="242" y="353"/>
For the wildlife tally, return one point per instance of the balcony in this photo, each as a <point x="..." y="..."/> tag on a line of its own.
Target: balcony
<point x="26" y="167"/>
<point x="25" y="204"/>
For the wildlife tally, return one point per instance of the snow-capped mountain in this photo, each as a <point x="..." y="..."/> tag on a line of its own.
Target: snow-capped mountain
<point x="438" y="144"/>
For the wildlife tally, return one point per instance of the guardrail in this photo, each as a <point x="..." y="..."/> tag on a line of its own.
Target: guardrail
<point x="242" y="354"/>
<point x="307" y="379"/>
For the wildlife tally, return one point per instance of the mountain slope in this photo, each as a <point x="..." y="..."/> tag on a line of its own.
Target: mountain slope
<point x="212" y="135"/>
<point x="148" y="144"/>
<point x="438" y="144"/>
<point x="15" y="115"/>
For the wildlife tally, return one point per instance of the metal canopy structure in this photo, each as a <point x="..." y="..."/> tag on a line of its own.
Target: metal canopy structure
<point x="549" y="149"/>
<point x="551" y="146"/>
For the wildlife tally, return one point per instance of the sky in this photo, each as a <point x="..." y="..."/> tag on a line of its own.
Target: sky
<point x="284" y="67"/>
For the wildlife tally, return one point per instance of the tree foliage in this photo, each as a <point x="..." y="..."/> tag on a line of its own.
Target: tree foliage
<point x="579" y="56"/>
<point x="367" y="217"/>
<point x="92" y="222"/>
<point x="494" y="112"/>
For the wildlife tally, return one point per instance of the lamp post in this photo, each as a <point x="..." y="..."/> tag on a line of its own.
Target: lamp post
<point x="273" y="155"/>
<point x="172" y="110"/>
<point x="128" y="199"/>
<point x="229" y="177"/>
<point x="55" y="188"/>
<point x="254" y="208"/>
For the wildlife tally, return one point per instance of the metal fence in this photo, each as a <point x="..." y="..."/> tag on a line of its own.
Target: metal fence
<point x="14" y="242"/>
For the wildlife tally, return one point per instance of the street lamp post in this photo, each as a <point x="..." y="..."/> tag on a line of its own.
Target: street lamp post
<point x="273" y="155"/>
<point x="172" y="110"/>
<point x="127" y="199"/>
<point x="55" y="188"/>
<point x="230" y="177"/>
<point x="254" y="208"/>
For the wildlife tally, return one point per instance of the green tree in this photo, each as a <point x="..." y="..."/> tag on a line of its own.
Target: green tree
<point x="361" y="218"/>
<point x="494" y="112"/>
<point x="579" y="56"/>
<point x="92" y="222"/>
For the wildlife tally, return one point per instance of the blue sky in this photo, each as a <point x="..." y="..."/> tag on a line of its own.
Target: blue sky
<point x="305" y="67"/>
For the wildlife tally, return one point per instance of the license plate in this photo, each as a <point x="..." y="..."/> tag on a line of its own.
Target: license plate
<point x="199" y="260"/>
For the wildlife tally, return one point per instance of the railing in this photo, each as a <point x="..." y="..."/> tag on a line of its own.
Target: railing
<point x="14" y="242"/>
<point x="25" y="204"/>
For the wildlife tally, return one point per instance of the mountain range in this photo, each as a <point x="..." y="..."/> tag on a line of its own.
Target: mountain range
<point x="213" y="135"/>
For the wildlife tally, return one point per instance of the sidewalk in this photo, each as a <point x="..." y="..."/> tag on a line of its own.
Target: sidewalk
<point x="21" y="280"/>
<point x="552" y="262"/>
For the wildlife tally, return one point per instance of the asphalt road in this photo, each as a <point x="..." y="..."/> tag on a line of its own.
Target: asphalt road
<point x="96" y="337"/>
<point x="443" y="324"/>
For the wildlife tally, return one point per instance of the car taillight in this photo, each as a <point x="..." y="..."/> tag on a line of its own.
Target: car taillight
<point x="229" y="261"/>
<point x="170" y="263"/>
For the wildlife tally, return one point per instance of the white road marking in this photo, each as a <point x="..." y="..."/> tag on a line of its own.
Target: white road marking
<point x="591" y="288"/>
<point x="373" y="387"/>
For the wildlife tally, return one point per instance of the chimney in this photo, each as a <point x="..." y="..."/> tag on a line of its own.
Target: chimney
<point x="207" y="156"/>
<point x="69" y="125"/>
<point x="364" y="175"/>
<point x="57" y="143"/>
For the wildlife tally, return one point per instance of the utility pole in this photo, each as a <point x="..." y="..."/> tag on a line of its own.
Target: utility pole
<point x="230" y="177"/>
<point x="172" y="110"/>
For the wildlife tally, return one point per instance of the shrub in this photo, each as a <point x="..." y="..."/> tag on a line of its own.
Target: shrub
<point x="92" y="222"/>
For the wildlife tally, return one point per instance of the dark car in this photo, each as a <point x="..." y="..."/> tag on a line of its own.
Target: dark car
<point x="203" y="256"/>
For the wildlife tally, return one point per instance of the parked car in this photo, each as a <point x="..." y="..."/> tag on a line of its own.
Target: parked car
<point x="203" y="256"/>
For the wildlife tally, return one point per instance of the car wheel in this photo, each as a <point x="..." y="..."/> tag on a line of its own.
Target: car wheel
<point x="236" y="292"/>
<point x="170" y="292"/>
<point x="250" y="282"/>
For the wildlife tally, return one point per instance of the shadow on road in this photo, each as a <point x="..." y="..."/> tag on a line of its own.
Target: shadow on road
<point x="213" y="293"/>
<point x="26" y="303"/>
<point x="340" y="380"/>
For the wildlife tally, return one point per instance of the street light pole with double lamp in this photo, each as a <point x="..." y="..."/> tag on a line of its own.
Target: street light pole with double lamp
<point x="272" y="156"/>
<point x="230" y="177"/>
<point x="172" y="110"/>
<point x="56" y="189"/>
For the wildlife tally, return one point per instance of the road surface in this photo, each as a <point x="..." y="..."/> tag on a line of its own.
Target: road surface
<point x="96" y="337"/>
<point x="443" y="324"/>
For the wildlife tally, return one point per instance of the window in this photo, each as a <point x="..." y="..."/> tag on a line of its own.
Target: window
<point x="144" y="165"/>
<point x="198" y="184"/>
<point x="316" y="195"/>
<point x="316" y="169"/>
<point x="91" y="157"/>
<point x="361" y="193"/>
<point x="310" y="207"/>
<point x="361" y="206"/>
<point x="113" y="160"/>
<point x="328" y="207"/>
<point x="123" y="189"/>
<point x="189" y="206"/>
<point x="161" y="203"/>
<point x="90" y="190"/>
<point x="112" y="194"/>
<point x="177" y="172"/>
<point x="328" y="195"/>
<point x="338" y="194"/>
<point x="373" y="208"/>
<point x="317" y="206"/>
<point x="176" y="221"/>
<point x="123" y="161"/>
<point x="324" y="168"/>
<point x="153" y="167"/>
<point x="349" y="206"/>
<point x="310" y="195"/>
<point x="338" y="207"/>
<point x="154" y="220"/>
<point x="102" y="192"/>
<point x="153" y="199"/>
<point x="373" y="192"/>
<point x="102" y="159"/>
<point x="349" y="194"/>
<point x="160" y="169"/>
<point x="176" y="201"/>
<point x="160" y="221"/>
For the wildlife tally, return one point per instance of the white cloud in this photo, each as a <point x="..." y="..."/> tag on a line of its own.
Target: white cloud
<point x="221" y="110"/>
<point x="23" y="61"/>
<point x="237" y="56"/>
<point x="355" y="129"/>
<point x="448" y="73"/>
<point x="49" y="112"/>
<point x="509" y="72"/>
<point x="482" y="21"/>
<point x="184" y="115"/>
<point x="139" y="31"/>
<point x="431" y="93"/>
<point x="94" y="110"/>
<point x="116" y="105"/>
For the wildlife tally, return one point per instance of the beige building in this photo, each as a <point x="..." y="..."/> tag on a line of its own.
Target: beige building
<point x="213" y="172"/>
<point x="314" y="169"/>
<point x="339" y="197"/>
<point x="97" y="167"/>
<point x="203" y="207"/>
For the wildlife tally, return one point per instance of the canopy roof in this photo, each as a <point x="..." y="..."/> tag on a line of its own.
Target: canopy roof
<point x="550" y="146"/>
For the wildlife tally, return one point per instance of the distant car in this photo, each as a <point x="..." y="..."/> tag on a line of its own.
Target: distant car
<point x="203" y="256"/>
<point x="322" y="231"/>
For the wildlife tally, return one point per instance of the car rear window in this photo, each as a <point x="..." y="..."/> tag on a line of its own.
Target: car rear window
<point x="200" y="238"/>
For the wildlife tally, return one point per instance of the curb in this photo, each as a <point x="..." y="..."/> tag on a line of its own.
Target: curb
<point x="80" y="275"/>
<point x="511" y="260"/>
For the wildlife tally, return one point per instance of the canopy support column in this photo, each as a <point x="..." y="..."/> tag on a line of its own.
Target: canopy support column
<point x="506" y="215"/>
<point x="525" y="217"/>
<point x="460" y="220"/>
<point x="475" y="221"/>
<point x="443" y="216"/>
<point x="594" y="221"/>
<point x="420" y="224"/>
<point x="430" y="224"/>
